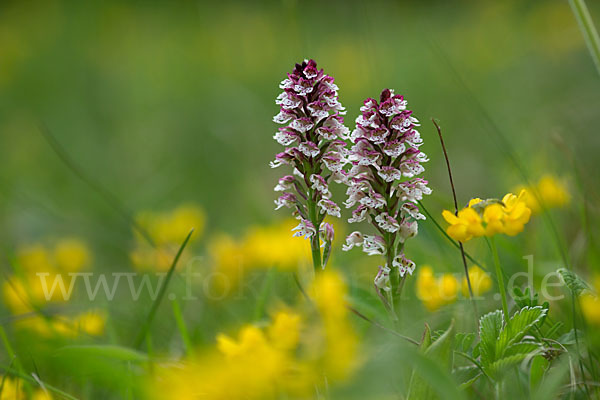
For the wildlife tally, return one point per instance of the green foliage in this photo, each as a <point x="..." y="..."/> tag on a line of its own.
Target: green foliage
<point x="502" y="345"/>
<point x="573" y="281"/>
<point x="438" y="351"/>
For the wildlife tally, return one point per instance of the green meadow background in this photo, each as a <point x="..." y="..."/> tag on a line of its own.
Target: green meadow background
<point x="165" y="103"/>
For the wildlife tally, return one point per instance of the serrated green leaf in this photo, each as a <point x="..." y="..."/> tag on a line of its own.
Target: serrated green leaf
<point x="521" y="348"/>
<point x="490" y="326"/>
<point x="573" y="281"/>
<point x="466" y="375"/>
<point x="501" y="365"/>
<point x="517" y="327"/>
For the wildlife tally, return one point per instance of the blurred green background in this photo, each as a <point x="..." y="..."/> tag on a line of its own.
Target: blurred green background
<point x="164" y="103"/>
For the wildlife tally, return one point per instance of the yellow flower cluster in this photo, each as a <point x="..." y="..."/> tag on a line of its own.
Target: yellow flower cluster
<point x="550" y="191"/>
<point x="262" y="247"/>
<point x="23" y="292"/>
<point x="167" y="230"/>
<point x="295" y="353"/>
<point x="13" y="390"/>
<point x="436" y="292"/>
<point x="489" y="217"/>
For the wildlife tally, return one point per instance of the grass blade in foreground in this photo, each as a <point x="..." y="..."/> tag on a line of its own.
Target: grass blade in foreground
<point x="142" y="335"/>
<point x="588" y="29"/>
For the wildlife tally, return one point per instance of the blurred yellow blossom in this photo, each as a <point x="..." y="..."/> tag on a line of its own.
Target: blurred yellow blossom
<point x="286" y="358"/>
<point x="489" y="217"/>
<point x="167" y="230"/>
<point x="12" y="389"/>
<point x="41" y="395"/>
<point x="90" y="323"/>
<point x="71" y="255"/>
<point x="551" y="191"/>
<point x="260" y="248"/>
<point x="480" y="282"/>
<point x="435" y="292"/>
<point x="590" y="303"/>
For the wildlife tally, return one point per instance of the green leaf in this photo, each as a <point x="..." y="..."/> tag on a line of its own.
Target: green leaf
<point x="490" y="326"/>
<point x="569" y="337"/>
<point x="521" y="348"/>
<point x="426" y="340"/>
<point x="517" y="327"/>
<point x="498" y="367"/>
<point x="440" y="353"/>
<point x="539" y="365"/>
<point x="573" y="281"/>
<point x="107" y="351"/>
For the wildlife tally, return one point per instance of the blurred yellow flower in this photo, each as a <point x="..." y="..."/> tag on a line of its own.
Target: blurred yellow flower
<point x="34" y="258"/>
<point x="480" y="282"/>
<point x="71" y="255"/>
<point x="279" y="360"/>
<point x="167" y="230"/>
<point x="261" y="248"/>
<point x="489" y="217"/>
<point x="41" y="395"/>
<point x="590" y="304"/>
<point x="12" y="389"/>
<point x="340" y="357"/>
<point x="24" y="291"/>
<point x="435" y="292"/>
<point x="590" y="307"/>
<point x="551" y="191"/>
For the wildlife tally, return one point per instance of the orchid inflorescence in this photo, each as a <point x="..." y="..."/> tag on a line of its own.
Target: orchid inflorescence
<point x="385" y="151"/>
<point x="382" y="181"/>
<point x="313" y="147"/>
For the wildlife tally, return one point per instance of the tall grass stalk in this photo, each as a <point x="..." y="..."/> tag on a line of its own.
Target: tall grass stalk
<point x="588" y="30"/>
<point x="461" y="247"/>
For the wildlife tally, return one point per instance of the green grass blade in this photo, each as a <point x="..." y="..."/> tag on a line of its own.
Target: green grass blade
<point x="181" y="326"/>
<point x="142" y="335"/>
<point x="590" y="34"/>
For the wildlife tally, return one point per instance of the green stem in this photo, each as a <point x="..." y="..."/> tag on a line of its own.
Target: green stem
<point x="315" y="242"/>
<point x="500" y="278"/>
<point x="588" y="29"/>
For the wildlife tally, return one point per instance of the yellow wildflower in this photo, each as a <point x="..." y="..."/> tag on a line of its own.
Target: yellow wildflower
<point x="480" y="282"/>
<point x="41" y="395"/>
<point x="516" y="213"/>
<point x="433" y="292"/>
<point x="590" y="307"/>
<point x="71" y="255"/>
<point x="12" y="389"/>
<point x="341" y="343"/>
<point x="489" y="218"/>
<point x="34" y="258"/>
<point x="464" y="226"/>
<point x="590" y="304"/>
<point x="493" y="216"/>
<point x="550" y="191"/>
<point x="167" y="230"/>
